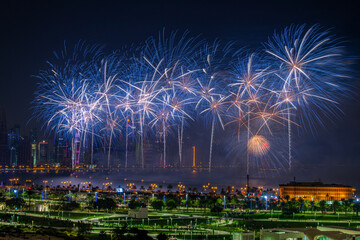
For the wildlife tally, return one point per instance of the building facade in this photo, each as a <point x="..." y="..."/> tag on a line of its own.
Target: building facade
<point x="62" y="152"/>
<point x="43" y="152"/>
<point x="315" y="191"/>
<point x="24" y="154"/>
<point x="14" y="141"/>
<point x="4" y="148"/>
<point x="34" y="150"/>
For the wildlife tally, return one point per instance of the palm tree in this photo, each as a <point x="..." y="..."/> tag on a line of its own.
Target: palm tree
<point x="29" y="193"/>
<point x="356" y="207"/>
<point x="346" y="206"/>
<point x="301" y="201"/>
<point x="322" y="204"/>
<point x="335" y="205"/>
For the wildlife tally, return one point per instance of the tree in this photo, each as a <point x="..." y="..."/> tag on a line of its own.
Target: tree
<point x="306" y="205"/>
<point x="136" y="204"/>
<point x="157" y="204"/>
<point x="171" y="204"/>
<point x="169" y="187"/>
<point x="161" y="236"/>
<point x="290" y="207"/>
<point x="322" y="204"/>
<point x="119" y="233"/>
<point x="234" y="202"/>
<point x="83" y="228"/>
<point x="107" y="203"/>
<point x="29" y="192"/>
<point x="316" y="205"/>
<point x="216" y="208"/>
<point x="356" y="207"/>
<point x="70" y="206"/>
<point x="335" y="205"/>
<point x="301" y="202"/>
<point x="346" y="206"/>
<point x="140" y="234"/>
<point x="15" y="203"/>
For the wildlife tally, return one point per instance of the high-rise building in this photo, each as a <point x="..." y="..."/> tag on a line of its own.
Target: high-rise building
<point x="24" y="153"/>
<point x="33" y="142"/>
<point x="4" y="149"/>
<point x="62" y="155"/>
<point x="43" y="156"/>
<point x="75" y="148"/>
<point x="14" y="139"/>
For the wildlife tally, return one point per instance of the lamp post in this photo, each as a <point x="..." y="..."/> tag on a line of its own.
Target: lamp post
<point x="266" y="203"/>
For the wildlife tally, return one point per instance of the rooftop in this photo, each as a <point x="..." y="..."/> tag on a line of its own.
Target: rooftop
<point x="311" y="184"/>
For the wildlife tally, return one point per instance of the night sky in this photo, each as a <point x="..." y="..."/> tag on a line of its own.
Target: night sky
<point x="32" y="30"/>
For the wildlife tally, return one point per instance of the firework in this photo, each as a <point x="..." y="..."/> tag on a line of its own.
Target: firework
<point x="310" y="71"/>
<point x="246" y="90"/>
<point x="156" y="89"/>
<point x="258" y="145"/>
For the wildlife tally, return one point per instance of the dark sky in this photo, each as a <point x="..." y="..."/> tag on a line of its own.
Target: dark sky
<point x="32" y="30"/>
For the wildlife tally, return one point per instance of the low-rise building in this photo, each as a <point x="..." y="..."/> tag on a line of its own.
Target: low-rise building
<point x="308" y="234"/>
<point x="315" y="191"/>
<point x="138" y="213"/>
<point x="244" y="236"/>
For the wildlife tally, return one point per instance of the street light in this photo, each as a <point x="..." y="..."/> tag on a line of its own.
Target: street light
<point x="266" y="202"/>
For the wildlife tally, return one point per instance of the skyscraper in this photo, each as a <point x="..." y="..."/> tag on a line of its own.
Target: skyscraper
<point x="14" y="139"/>
<point x="75" y="148"/>
<point x="33" y="142"/>
<point x="62" y="155"/>
<point x="24" y="152"/>
<point x="43" y="149"/>
<point x="4" y="149"/>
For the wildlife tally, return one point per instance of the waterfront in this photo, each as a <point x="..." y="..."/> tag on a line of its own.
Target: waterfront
<point x="116" y="178"/>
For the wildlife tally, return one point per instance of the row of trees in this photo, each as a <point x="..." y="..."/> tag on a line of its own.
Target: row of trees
<point x="302" y="206"/>
<point x="172" y="201"/>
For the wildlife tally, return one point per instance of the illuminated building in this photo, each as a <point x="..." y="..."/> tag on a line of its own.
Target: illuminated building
<point x="24" y="154"/>
<point x="194" y="163"/>
<point x="316" y="191"/>
<point x="14" y="139"/>
<point x="75" y="148"/>
<point x="33" y="140"/>
<point x="62" y="155"/>
<point x="43" y="149"/>
<point x="4" y="150"/>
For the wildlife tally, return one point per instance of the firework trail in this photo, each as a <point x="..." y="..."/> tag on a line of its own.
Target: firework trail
<point x="173" y="65"/>
<point x="156" y="89"/>
<point x="309" y="61"/>
<point x="211" y="98"/>
<point x="62" y="98"/>
<point x="246" y="90"/>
